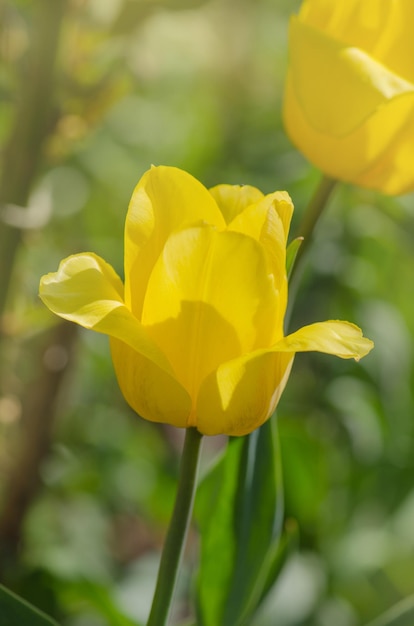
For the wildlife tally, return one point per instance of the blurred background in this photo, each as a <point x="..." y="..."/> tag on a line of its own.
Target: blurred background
<point x="92" y="92"/>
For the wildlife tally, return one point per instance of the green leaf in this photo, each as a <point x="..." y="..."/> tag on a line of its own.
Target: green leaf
<point x="402" y="614"/>
<point x="240" y="512"/>
<point x="291" y="253"/>
<point x="101" y="599"/>
<point x="214" y="513"/>
<point x="15" y="611"/>
<point x="286" y="546"/>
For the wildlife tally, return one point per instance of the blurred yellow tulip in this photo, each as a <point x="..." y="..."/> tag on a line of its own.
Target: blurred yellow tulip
<point x="349" y="98"/>
<point x="197" y="331"/>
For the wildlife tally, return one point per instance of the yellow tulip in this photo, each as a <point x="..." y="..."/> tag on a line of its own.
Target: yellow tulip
<point x="197" y="330"/>
<point x="349" y="98"/>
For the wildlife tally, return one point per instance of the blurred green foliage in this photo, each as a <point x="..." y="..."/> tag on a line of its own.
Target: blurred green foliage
<point x="197" y="84"/>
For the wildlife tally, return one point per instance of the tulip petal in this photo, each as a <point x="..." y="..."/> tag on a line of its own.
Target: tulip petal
<point x="210" y="299"/>
<point x="362" y="22"/>
<point x="233" y="199"/>
<point x="166" y="199"/>
<point x="252" y="218"/>
<point x="326" y="71"/>
<point x="273" y="237"/>
<point x="342" y="339"/>
<point x="268" y="221"/>
<point x="86" y="290"/>
<point x="392" y="170"/>
<point x="242" y="394"/>
<point x="354" y="120"/>
<point x="149" y="390"/>
<point x="378" y="155"/>
<point x="383" y="29"/>
<point x="282" y="202"/>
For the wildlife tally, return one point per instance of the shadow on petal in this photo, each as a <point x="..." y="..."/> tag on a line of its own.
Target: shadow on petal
<point x="150" y="391"/>
<point x="242" y="394"/>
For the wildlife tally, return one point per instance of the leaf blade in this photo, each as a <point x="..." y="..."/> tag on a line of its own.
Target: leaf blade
<point x="244" y="530"/>
<point x="15" y="610"/>
<point x="401" y="614"/>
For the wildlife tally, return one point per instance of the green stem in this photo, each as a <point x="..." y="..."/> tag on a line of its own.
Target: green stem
<point x="312" y="213"/>
<point x="314" y="210"/>
<point x="174" y="543"/>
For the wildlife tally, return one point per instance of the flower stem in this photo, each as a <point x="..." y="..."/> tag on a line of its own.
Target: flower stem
<point x="313" y="211"/>
<point x="174" y="543"/>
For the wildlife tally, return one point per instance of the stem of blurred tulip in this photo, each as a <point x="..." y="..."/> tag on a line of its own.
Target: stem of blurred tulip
<point x="311" y="216"/>
<point x="174" y="542"/>
<point x="312" y="213"/>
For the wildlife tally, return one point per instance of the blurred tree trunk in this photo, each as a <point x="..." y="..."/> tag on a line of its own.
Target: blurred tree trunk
<point x="32" y="123"/>
<point x="50" y="359"/>
<point x="21" y="161"/>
